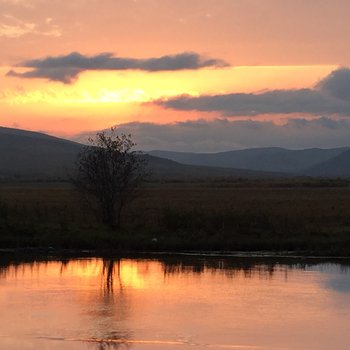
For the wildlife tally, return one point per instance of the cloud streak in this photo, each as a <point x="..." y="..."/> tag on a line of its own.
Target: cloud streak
<point x="13" y="27"/>
<point x="66" y="68"/>
<point x="330" y="96"/>
<point x="223" y="134"/>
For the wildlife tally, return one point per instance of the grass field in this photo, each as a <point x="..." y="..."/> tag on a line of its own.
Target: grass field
<point x="309" y="218"/>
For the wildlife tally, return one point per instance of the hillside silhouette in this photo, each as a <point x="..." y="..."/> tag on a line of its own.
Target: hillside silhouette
<point x="26" y="155"/>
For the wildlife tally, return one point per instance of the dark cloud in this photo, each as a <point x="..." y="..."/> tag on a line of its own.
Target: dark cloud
<point x="67" y="68"/>
<point x="330" y="96"/>
<point x="274" y="102"/>
<point x="64" y="75"/>
<point x="223" y="134"/>
<point x="337" y="84"/>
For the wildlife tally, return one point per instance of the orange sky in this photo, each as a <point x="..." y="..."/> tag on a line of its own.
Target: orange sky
<point x="267" y="44"/>
<point x="101" y="99"/>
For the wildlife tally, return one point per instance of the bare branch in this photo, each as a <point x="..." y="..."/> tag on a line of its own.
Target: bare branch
<point x="110" y="171"/>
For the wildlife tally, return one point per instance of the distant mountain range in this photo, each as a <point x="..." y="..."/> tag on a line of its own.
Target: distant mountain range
<point x="310" y="162"/>
<point x="31" y="155"/>
<point x="338" y="166"/>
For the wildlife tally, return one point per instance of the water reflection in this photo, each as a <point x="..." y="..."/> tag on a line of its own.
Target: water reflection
<point x="339" y="284"/>
<point x="122" y="303"/>
<point x="109" y="344"/>
<point x="111" y="268"/>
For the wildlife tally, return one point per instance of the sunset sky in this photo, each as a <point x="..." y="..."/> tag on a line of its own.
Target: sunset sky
<point x="187" y="75"/>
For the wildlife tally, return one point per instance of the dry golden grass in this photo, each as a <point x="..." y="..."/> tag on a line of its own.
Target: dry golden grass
<point x="184" y="216"/>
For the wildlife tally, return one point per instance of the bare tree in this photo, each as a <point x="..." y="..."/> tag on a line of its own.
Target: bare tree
<point x="110" y="171"/>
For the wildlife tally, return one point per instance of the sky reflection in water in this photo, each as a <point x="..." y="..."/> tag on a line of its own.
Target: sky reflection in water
<point x="174" y="303"/>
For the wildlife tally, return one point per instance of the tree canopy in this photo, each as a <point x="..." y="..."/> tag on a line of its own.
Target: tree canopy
<point x="110" y="171"/>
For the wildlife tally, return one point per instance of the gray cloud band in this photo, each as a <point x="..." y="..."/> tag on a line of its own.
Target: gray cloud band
<point x="66" y="69"/>
<point x="223" y="134"/>
<point x="330" y="96"/>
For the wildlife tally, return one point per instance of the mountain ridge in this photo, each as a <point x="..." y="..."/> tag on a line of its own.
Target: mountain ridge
<point x="28" y="154"/>
<point x="274" y="159"/>
<point x="32" y="155"/>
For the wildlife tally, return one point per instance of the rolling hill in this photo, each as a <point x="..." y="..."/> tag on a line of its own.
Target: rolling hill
<point x="273" y="159"/>
<point x="338" y="166"/>
<point x="165" y="169"/>
<point x="26" y="155"/>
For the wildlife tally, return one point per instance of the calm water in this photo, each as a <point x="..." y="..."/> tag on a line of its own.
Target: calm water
<point x="175" y="303"/>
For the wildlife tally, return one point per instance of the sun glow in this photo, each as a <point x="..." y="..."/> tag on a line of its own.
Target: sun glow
<point x="99" y="99"/>
<point x="133" y="87"/>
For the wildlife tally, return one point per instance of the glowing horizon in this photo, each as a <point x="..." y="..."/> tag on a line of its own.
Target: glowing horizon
<point x="72" y="69"/>
<point x="95" y="102"/>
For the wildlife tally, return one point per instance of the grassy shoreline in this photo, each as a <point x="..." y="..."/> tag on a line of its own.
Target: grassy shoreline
<point x="304" y="220"/>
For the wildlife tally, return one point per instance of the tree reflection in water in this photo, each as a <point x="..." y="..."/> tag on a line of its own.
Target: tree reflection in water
<point x="103" y="290"/>
<point x="109" y="345"/>
<point x="110" y="269"/>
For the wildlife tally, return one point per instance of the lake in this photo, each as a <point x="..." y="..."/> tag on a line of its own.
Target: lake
<point x="175" y="302"/>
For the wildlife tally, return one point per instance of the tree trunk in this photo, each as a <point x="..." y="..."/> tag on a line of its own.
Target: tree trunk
<point x="118" y="216"/>
<point x="110" y="217"/>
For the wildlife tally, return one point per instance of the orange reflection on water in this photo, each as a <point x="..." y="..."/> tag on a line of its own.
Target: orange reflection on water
<point x="145" y="303"/>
